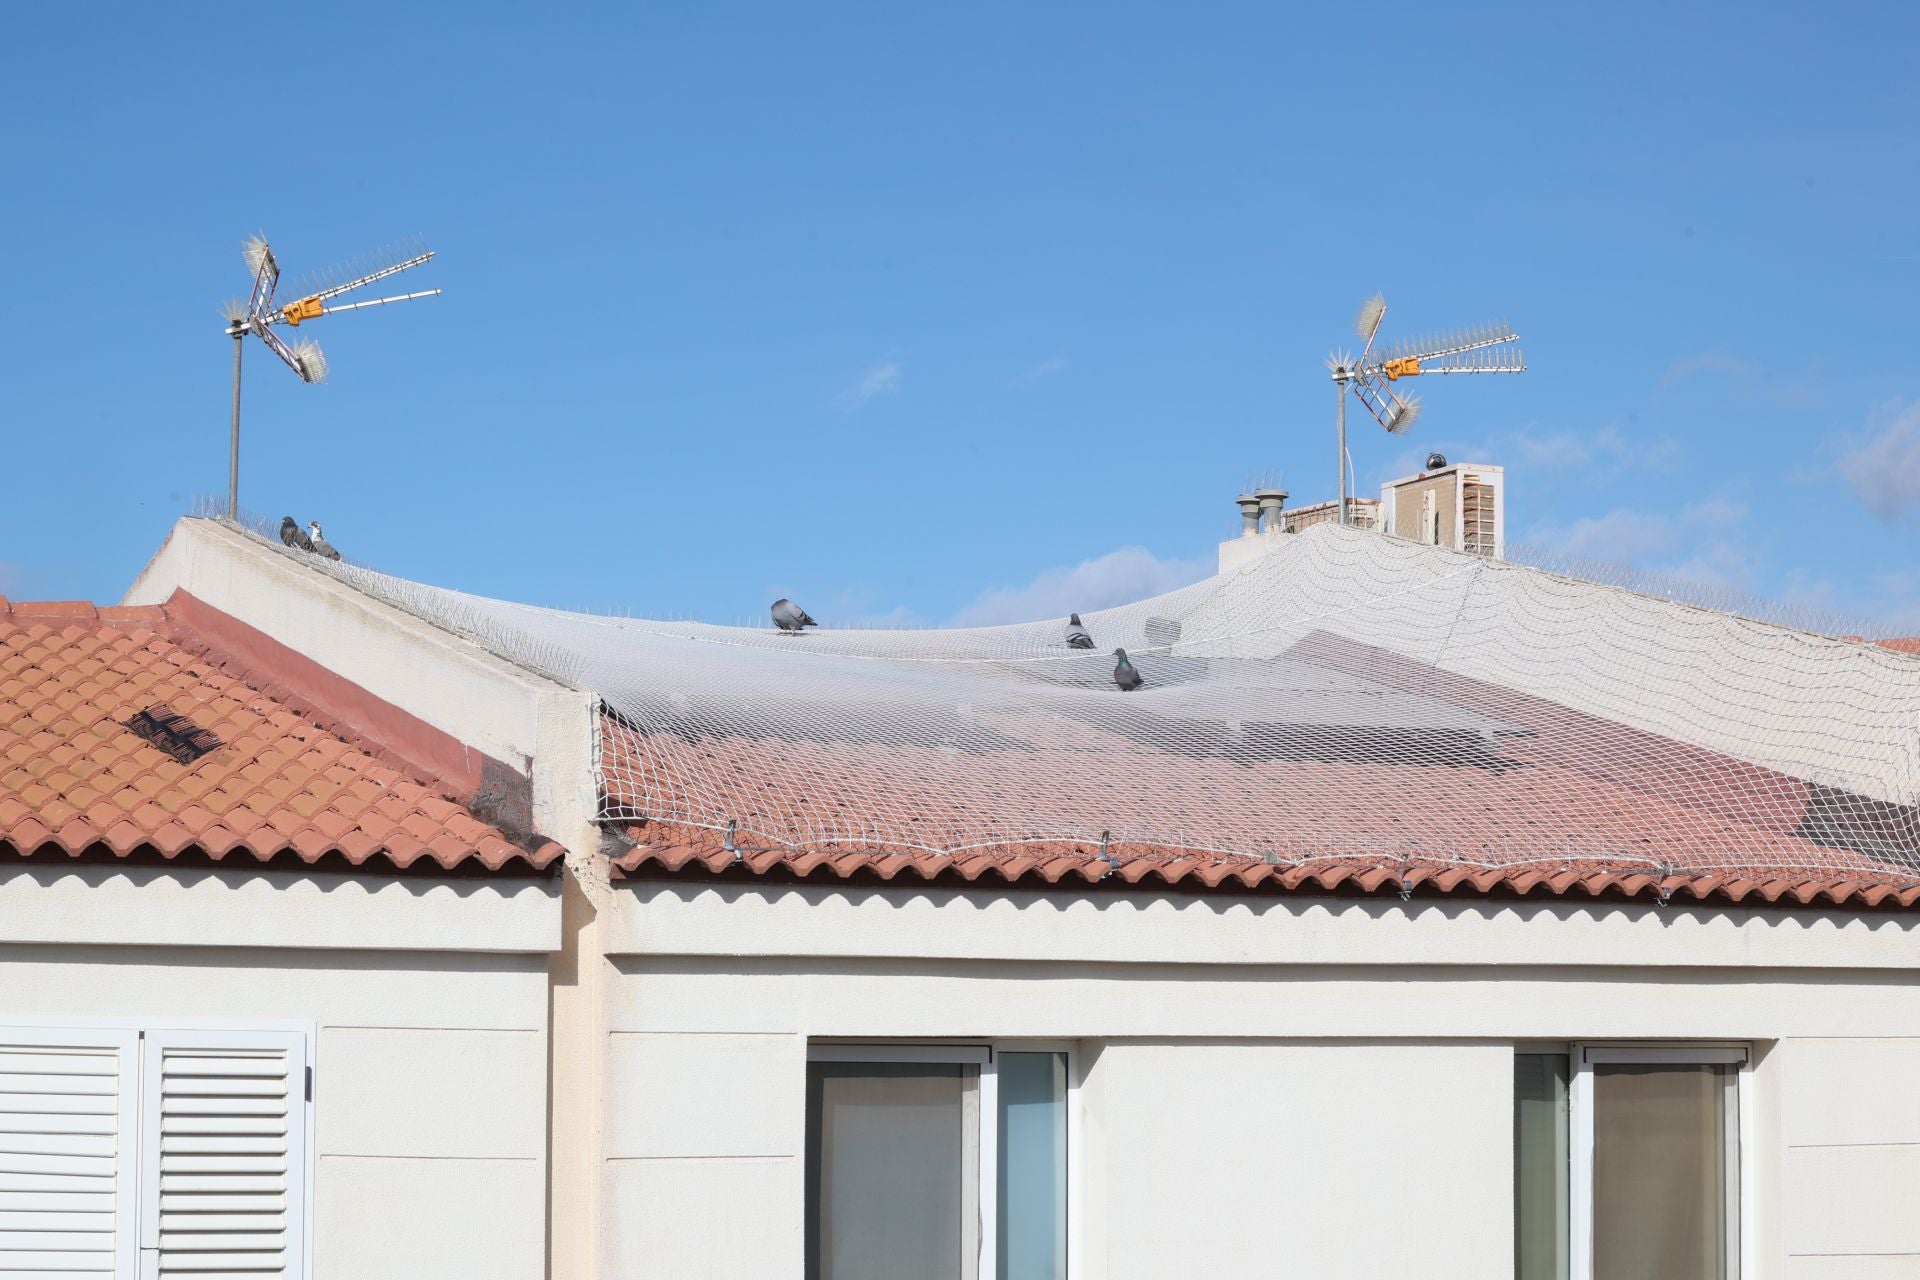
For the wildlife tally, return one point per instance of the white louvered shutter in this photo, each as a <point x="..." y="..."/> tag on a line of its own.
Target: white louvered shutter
<point x="67" y="1147"/>
<point x="223" y="1155"/>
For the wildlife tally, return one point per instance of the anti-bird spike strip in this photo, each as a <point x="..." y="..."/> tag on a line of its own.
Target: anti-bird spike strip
<point x="1348" y="698"/>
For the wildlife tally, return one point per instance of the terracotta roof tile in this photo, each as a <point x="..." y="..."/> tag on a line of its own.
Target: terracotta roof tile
<point x="1661" y="819"/>
<point x="668" y="849"/>
<point x="75" y="779"/>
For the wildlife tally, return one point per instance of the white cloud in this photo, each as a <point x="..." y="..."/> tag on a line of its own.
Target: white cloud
<point x="882" y="379"/>
<point x="1045" y="369"/>
<point x="12" y="576"/>
<point x="1719" y="362"/>
<point x="1748" y="381"/>
<point x="1118" y="577"/>
<point x="1884" y="467"/>
<point x="1699" y="542"/>
<point x="1602" y="449"/>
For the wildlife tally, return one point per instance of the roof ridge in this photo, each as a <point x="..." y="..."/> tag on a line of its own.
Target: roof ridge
<point x="80" y="611"/>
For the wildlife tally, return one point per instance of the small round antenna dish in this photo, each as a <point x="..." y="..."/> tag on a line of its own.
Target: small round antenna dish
<point x="1435" y="461"/>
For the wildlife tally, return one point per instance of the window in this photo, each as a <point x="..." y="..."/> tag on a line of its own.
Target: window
<point x="1627" y="1163"/>
<point x="127" y="1151"/>
<point x="936" y="1161"/>
<point x="1540" y="1166"/>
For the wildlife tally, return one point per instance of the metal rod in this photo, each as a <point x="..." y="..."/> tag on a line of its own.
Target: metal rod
<point x="381" y="302"/>
<point x="1339" y="390"/>
<point x="233" y="441"/>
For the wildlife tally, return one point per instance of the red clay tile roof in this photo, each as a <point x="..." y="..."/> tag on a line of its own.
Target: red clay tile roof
<point x="1901" y="644"/>
<point x="1676" y="821"/>
<point x="79" y="777"/>
<point x="677" y="851"/>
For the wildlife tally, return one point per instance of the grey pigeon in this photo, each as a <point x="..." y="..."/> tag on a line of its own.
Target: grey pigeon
<point x="320" y="545"/>
<point x="1125" y="674"/>
<point x="1077" y="636"/>
<point x="789" y="616"/>
<point x="291" y="535"/>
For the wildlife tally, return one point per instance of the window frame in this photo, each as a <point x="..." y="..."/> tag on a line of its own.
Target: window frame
<point x="1583" y="1056"/>
<point x="983" y="1054"/>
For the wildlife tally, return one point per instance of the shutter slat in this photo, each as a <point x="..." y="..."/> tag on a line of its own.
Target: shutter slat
<point x="181" y="1182"/>
<point x="222" y="1222"/>
<point x="224" y="1087"/>
<point x="269" y="1124"/>
<point x="48" y="1220"/>
<point x="55" y="1121"/>
<point x="199" y="1241"/>
<point x="54" y="1263"/>
<point x="54" y="1182"/>
<point x="68" y="1241"/>
<point x="264" y="1261"/>
<point x="56" y="1201"/>
<point x="53" y="1061"/>
<point x="95" y="1166"/>
<point x="253" y="1163"/>
<point x="180" y="1066"/>
<point x="32" y="1080"/>
<point x="173" y="1106"/>
<point x="79" y="1104"/>
<point x="177" y="1202"/>
<point x="200" y="1144"/>
<point x="56" y="1144"/>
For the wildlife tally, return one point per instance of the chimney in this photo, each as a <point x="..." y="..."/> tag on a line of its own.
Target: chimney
<point x="1271" y="501"/>
<point x="1249" y="514"/>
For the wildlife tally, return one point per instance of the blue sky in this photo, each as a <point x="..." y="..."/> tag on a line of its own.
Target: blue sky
<point x="920" y="313"/>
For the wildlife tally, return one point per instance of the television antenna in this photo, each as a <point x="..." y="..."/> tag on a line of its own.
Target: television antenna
<point x="259" y="316"/>
<point x="1485" y="349"/>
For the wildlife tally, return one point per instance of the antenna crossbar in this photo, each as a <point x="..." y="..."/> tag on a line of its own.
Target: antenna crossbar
<point x="305" y="359"/>
<point x="381" y="302"/>
<point x="1371" y="377"/>
<point x="384" y="272"/>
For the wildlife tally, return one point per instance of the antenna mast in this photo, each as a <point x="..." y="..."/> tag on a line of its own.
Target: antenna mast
<point x="1486" y="349"/>
<point x="259" y="316"/>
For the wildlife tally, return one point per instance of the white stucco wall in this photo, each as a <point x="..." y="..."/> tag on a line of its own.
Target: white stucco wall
<point x="428" y="999"/>
<point x="1340" y="1161"/>
<point x="429" y="1069"/>
<point x="1288" y="1087"/>
<point x="1851" y="1155"/>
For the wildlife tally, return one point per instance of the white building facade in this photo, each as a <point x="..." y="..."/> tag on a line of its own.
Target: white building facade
<point x="738" y="1065"/>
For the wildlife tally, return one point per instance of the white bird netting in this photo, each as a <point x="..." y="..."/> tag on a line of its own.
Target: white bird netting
<point x="1345" y="696"/>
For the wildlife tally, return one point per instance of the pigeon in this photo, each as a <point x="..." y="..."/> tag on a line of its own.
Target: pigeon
<point x="1124" y="673"/>
<point x="291" y="535"/>
<point x="790" y="617"/>
<point x="320" y="546"/>
<point x="1077" y="636"/>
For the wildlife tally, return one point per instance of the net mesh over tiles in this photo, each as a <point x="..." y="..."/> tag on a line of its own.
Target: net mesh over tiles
<point x="1348" y="697"/>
